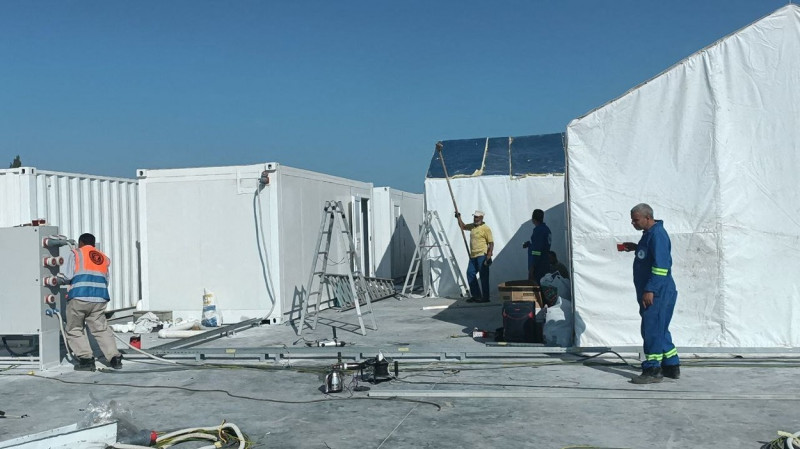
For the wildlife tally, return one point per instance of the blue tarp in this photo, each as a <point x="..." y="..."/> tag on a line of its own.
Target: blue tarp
<point x="529" y="155"/>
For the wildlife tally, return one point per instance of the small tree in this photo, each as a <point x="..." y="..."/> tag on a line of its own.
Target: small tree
<point x="16" y="163"/>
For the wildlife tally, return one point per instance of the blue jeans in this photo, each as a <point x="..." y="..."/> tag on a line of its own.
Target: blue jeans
<point x="475" y="267"/>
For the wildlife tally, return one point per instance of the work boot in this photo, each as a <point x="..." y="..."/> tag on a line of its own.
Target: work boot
<point x="649" y="376"/>
<point x="116" y="362"/>
<point x="85" y="364"/>
<point x="673" y="372"/>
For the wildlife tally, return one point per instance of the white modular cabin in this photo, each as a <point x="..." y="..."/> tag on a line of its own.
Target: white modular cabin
<point x="397" y="218"/>
<point x="247" y="239"/>
<point x="79" y="203"/>
<point x="713" y="145"/>
<point x="507" y="178"/>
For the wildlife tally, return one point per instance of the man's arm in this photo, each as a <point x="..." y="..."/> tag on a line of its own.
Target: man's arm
<point x="68" y="269"/>
<point x="460" y="222"/>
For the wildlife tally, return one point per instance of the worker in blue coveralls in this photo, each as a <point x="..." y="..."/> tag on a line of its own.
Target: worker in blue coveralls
<point x="538" y="247"/>
<point x="656" y="294"/>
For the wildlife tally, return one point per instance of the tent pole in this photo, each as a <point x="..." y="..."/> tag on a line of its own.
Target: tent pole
<point x="453" y="197"/>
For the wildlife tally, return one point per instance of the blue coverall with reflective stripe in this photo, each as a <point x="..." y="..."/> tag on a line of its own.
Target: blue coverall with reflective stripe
<point x="652" y="272"/>
<point x="539" y="251"/>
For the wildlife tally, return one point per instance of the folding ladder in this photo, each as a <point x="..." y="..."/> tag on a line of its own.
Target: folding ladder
<point x="333" y="213"/>
<point x="432" y="229"/>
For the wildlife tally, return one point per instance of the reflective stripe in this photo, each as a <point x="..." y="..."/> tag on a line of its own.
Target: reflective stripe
<point x="671" y="353"/>
<point x="654" y="356"/>
<point x="86" y="278"/>
<point x="91" y="294"/>
<point x="659" y="271"/>
<point x="536" y="253"/>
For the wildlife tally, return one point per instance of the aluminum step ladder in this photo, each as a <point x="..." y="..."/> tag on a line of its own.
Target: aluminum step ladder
<point x="334" y="214"/>
<point x="432" y="229"/>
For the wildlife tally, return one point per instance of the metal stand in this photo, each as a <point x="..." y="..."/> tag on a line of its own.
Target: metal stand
<point x="432" y="228"/>
<point x="334" y="213"/>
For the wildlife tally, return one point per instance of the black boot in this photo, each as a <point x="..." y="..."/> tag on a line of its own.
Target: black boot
<point x="649" y="376"/>
<point x="85" y="364"/>
<point x="116" y="362"/>
<point x="673" y="372"/>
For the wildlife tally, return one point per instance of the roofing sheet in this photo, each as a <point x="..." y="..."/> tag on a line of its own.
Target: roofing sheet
<point x="510" y="156"/>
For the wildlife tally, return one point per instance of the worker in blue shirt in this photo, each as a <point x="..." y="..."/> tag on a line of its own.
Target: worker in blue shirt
<point x="656" y="294"/>
<point x="538" y="247"/>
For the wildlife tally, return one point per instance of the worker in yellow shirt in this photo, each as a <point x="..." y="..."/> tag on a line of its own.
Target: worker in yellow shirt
<point x="481" y="245"/>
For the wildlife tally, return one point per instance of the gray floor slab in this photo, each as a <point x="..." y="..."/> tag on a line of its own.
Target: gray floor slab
<point x="547" y="401"/>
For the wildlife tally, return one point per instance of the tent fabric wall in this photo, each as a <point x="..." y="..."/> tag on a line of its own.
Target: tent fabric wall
<point x="508" y="203"/>
<point x="713" y="145"/>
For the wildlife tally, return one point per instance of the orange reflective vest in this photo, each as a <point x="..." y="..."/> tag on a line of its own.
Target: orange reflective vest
<point x="90" y="282"/>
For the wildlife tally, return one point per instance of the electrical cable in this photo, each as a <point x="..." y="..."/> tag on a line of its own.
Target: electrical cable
<point x="401" y="422"/>
<point x="28" y="353"/>
<point x="262" y="250"/>
<point x="146" y="353"/>
<point x="63" y="335"/>
<point x="225" y="392"/>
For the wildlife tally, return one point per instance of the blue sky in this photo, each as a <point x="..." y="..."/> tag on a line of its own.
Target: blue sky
<point x="359" y="89"/>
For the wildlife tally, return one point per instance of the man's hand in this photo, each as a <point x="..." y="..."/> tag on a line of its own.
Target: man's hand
<point x="488" y="261"/>
<point x="526" y="244"/>
<point x="630" y="246"/>
<point x="647" y="299"/>
<point x="458" y="215"/>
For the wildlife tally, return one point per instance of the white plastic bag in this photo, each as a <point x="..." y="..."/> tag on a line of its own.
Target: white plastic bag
<point x="558" y="324"/>
<point x="559" y="282"/>
<point x="210" y="316"/>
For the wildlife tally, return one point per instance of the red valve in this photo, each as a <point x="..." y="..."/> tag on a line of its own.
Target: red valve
<point x="52" y="261"/>
<point x="50" y="299"/>
<point x="50" y="281"/>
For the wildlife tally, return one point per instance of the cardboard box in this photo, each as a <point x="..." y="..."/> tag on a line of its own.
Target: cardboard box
<point x="521" y="291"/>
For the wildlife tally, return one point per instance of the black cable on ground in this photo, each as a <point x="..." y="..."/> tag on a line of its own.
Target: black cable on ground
<point x="227" y="393"/>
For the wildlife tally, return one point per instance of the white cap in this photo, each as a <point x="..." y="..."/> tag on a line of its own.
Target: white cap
<point x="478" y="213"/>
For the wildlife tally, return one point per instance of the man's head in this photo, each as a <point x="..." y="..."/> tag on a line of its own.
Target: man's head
<point x="553" y="258"/>
<point x="537" y="216"/>
<point x="642" y="217"/>
<point x="477" y="217"/>
<point x="86" y="239"/>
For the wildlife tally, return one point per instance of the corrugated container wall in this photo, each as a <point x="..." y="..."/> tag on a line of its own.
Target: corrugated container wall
<point x="76" y="203"/>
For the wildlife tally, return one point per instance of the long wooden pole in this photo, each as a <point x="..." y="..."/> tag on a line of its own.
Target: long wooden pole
<point x="453" y="197"/>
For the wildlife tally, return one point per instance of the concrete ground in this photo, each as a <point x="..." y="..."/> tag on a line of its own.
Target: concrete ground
<point x="510" y="400"/>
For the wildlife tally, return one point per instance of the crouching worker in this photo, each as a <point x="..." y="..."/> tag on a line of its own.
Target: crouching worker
<point x="86" y="274"/>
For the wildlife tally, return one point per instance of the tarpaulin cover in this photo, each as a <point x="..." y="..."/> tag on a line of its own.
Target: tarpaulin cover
<point x="517" y="156"/>
<point x="507" y="200"/>
<point x="713" y="145"/>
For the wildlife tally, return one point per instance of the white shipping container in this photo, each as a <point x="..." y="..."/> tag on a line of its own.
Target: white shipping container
<point x="218" y="228"/>
<point x="77" y="203"/>
<point x="398" y="216"/>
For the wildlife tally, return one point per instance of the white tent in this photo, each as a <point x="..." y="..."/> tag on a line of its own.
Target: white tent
<point x="507" y="179"/>
<point x="713" y="144"/>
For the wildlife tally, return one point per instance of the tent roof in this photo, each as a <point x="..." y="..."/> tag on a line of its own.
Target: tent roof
<point x="508" y="156"/>
<point x="780" y="11"/>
